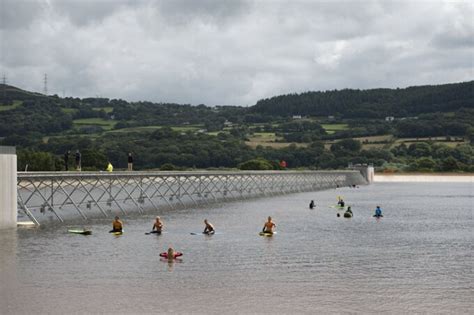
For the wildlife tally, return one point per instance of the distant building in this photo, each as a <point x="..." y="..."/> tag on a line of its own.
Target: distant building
<point x="228" y="123"/>
<point x="389" y="118"/>
<point x="331" y="117"/>
<point x="296" y="116"/>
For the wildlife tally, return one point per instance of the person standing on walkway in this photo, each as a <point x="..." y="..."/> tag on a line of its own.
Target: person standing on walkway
<point x="66" y="160"/>
<point x="78" y="160"/>
<point x="130" y="161"/>
<point x="110" y="167"/>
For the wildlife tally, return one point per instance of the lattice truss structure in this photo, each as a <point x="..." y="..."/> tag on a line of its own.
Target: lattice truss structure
<point x="71" y="195"/>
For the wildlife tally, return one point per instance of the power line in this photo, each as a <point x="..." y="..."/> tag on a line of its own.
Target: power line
<point x="45" y="90"/>
<point x="4" y="81"/>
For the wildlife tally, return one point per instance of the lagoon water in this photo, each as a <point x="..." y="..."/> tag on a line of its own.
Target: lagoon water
<point x="417" y="259"/>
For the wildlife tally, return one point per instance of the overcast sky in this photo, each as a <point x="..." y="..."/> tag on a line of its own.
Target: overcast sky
<point x="231" y="52"/>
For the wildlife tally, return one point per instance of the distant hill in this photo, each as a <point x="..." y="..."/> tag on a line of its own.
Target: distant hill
<point x="13" y="93"/>
<point x="433" y="130"/>
<point x="375" y="103"/>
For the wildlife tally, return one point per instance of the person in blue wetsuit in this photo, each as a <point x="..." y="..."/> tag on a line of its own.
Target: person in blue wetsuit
<point x="378" y="212"/>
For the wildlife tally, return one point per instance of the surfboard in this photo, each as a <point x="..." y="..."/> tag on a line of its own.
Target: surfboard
<point x="267" y="234"/>
<point x="117" y="233"/>
<point x="82" y="232"/>
<point x="202" y="233"/>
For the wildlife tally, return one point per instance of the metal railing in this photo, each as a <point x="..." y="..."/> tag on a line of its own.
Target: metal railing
<point x="62" y="196"/>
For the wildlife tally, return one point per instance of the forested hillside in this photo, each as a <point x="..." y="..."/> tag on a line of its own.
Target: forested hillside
<point x="426" y="128"/>
<point x="376" y="103"/>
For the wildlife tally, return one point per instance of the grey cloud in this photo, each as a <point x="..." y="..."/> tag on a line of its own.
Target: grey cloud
<point x="19" y="14"/>
<point x="84" y="12"/>
<point x="236" y="52"/>
<point x="208" y="11"/>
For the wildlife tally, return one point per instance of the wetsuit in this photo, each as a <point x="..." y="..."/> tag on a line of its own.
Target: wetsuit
<point x="378" y="212"/>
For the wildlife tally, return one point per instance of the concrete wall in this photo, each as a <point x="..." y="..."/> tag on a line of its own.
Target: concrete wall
<point x="367" y="171"/>
<point x="8" y="187"/>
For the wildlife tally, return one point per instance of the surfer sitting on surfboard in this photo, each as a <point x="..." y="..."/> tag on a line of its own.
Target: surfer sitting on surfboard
<point x="209" y="229"/>
<point x="117" y="225"/>
<point x="378" y="212"/>
<point x="157" y="226"/>
<point x="341" y="203"/>
<point x="269" y="226"/>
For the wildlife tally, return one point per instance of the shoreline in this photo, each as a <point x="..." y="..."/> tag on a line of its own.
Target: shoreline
<point x="424" y="177"/>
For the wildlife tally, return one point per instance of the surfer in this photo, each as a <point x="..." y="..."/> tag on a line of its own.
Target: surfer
<point x="171" y="254"/>
<point x="157" y="226"/>
<point x="269" y="226"/>
<point x="341" y="203"/>
<point x="349" y="210"/>
<point x="311" y="204"/>
<point x="209" y="229"/>
<point x="378" y="212"/>
<point x="117" y="225"/>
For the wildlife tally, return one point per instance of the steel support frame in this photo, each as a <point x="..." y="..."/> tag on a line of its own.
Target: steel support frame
<point x="88" y="192"/>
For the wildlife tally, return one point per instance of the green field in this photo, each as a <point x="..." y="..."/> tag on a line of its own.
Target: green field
<point x="105" y="109"/>
<point x="263" y="137"/>
<point x="69" y="110"/>
<point x="332" y="128"/>
<point x="187" y="128"/>
<point x="8" y="107"/>
<point x="268" y="139"/>
<point x="105" y="124"/>
<point x="153" y="128"/>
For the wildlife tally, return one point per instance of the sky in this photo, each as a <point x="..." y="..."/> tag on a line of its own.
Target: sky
<point x="219" y="52"/>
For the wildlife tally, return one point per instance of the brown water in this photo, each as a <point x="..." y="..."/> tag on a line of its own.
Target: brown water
<point x="417" y="259"/>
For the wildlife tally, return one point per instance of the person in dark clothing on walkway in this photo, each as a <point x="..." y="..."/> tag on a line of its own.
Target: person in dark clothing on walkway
<point x="78" y="160"/>
<point x="130" y="161"/>
<point x="66" y="160"/>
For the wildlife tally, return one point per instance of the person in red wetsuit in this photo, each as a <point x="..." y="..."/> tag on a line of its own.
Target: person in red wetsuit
<point x="171" y="254"/>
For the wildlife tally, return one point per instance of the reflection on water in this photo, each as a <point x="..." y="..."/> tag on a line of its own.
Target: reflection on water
<point x="418" y="258"/>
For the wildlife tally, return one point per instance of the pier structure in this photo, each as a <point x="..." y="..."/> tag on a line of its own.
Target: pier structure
<point x="8" y="187"/>
<point x="48" y="197"/>
<point x="367" y="171"/>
